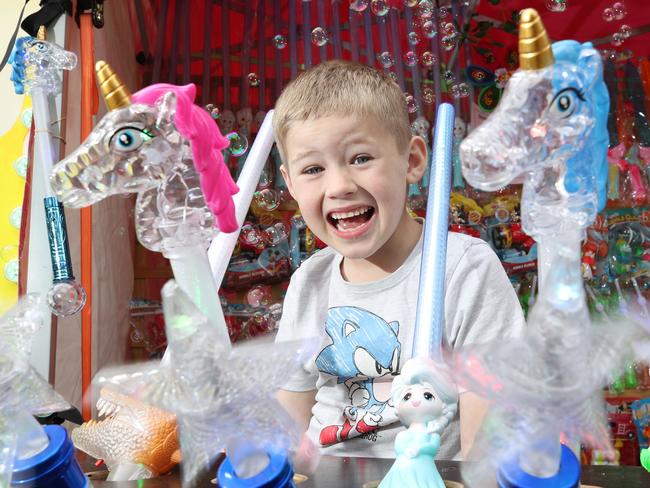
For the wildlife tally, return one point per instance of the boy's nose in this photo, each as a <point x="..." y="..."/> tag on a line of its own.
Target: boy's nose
<point x="340" y="183"/>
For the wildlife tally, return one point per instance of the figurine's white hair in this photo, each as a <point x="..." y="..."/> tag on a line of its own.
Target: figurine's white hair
<point x="429" y="373"/>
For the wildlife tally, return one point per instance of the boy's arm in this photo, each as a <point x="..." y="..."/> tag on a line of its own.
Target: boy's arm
<point x="472" y="412"/>
<point x="298" y="405"/>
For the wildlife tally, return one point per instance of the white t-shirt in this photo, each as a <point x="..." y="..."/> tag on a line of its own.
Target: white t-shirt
<point x="367" y="331"/>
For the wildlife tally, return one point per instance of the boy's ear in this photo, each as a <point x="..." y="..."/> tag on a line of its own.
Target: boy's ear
<point x="285" y="174"/>
<point x="417" y="159"/>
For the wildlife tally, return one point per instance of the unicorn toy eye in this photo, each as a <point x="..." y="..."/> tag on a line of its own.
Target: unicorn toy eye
<point x="129" y="139"/>
<point x="564" y="104"/>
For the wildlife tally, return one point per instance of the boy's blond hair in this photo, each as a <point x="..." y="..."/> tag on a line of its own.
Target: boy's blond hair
<point x="342" y="88"/>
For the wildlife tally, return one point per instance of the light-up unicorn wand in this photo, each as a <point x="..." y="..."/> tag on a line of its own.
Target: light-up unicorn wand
<point x="36" y="65"/>
<point x="167" y="150"/>
<point x="424" y="394"/>
<point x="550" y="127"/>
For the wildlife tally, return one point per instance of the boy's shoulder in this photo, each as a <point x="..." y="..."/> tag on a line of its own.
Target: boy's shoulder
<point x="316" y="267"/>
<point x="465" y="249"/>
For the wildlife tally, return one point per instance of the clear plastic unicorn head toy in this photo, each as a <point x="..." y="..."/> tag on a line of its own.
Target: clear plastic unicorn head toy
<point x="550" y="128"/>
<point x="158" y="144"/>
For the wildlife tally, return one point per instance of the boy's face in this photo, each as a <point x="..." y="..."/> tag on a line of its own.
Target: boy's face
<point x="350" y="181"/>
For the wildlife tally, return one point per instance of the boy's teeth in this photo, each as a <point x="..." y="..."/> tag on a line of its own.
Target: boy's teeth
<point x="346" y="215"/>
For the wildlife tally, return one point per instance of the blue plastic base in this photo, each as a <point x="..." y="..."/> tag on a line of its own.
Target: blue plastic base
<point x="510" y="474"/>
<point x="54" y="467"/>
<point x="278" y="474"/>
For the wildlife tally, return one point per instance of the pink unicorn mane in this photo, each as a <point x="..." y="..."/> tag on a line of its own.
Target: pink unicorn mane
<point x="195" y="124"/>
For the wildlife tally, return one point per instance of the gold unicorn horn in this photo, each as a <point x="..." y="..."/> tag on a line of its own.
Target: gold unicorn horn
<point x="534" y="47"/>
<point x="116" y="94"/>
<point x="40" y="35"/>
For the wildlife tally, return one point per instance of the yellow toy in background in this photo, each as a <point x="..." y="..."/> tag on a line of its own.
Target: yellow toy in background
<point x="14" y="136"/>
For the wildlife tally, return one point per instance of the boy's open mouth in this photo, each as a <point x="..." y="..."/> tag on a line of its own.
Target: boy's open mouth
<point x="351" y="220"/>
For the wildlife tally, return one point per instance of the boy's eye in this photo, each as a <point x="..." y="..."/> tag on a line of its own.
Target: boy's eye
<point x="407" y="397"/>
<point x="312" y="170"/>
<point x="364" y="158"/>
<point x="428" y="396"/>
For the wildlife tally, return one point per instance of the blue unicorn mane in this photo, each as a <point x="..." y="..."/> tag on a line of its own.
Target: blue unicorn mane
<point x="595" y="148"/>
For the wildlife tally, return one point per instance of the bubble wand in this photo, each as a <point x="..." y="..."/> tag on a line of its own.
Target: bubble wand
<point x="424" y="394"/>
<point x="36" y="65"/>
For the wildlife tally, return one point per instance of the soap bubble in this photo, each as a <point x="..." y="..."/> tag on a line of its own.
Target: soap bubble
<point x="626" y="31"/>
<point x="449" y="76"/>
<point x="319" y="37"/>
<point x="410" y="58"/>
<point x="448" y="28"/>
<point x="410" y="3"/>
<point x="20" y="165"/>
<point x="443" y="12"/>
<point x="428" y="96"/>
<point x="26" y="118"/>
<point x="15" y="217"/>
<point x="237" y="144"/>
<point x="213" y="110"/>
<point x="429" y="29"/>
<point x="267" y="199"/>
<point x="428" y="59"/>
<point x="279" y="41"/>
<point x="455" y="91"/>
<point x="359" y="5"/>
<point x="464" y="90"/>
<point x="393" y="76"/>
<point x="619" y="10"/>
<point x="385" y="59"/>
<point x="556" y="5"/>
<point x="608" y="14"/>
<point x="411" y="103"/>
<point x="425" y="9"/>
<point x="414" y="39"/>
<point x="379" y="7"/>
<point x="276" y="233"/>
<point x="257" y="297"/>
<point x="66" y="298"/>
<point x="253" y="80"/>
<point x="617" y="39"/>
<point x="448" y="42"/>
<point x="11" y="270"/>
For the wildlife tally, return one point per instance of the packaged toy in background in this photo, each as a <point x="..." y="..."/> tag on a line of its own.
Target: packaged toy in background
<point x="626" y="242"/>
<point x="466" y="216"/>
<point x="148" y="324"/>
<point x="623" y="432"/>
<point x="595" y="249"/>
<point x="641" y="413"/>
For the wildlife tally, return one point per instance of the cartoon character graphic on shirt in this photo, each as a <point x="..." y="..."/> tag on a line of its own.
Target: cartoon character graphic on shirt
<point x="364" y="348"/>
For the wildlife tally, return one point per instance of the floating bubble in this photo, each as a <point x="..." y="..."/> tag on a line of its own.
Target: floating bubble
<point x="414" y="39"/>
<point x="428" y="96"/>
<point x="428" y="59"/>
<point x="617" y="39"/>
<point x="275" y="311"/>
<point x="626" y="31"/>
<point x="213" y="110"/>
<point x="385" y="59"/>
<point x="619" y="10"/>
<point x="66" y="298"/>
<point x="276" y="234"/>
<point x="379" y="7"/>
<point x="237" y="144"/>
<point x="411" y="103"/>
<point x="556" y="5"/>
<point x="455" y="91"/>
<point x="608" y="14"/>
<point x="257" y="297"/>
<point x="425" y="9"/>
<point x="15" y="217"/>
<point x="429" y="29"/>
<point x="279" y="41"/>
<point x="11" y="270"/>
<point x="464" y="90"/>
<point x="448" y="42"/>
<point x="267" y="199"/>
<point x="393" y="76"/>
<point x="26" y="118"/>
<point x="253" y="80"/>
<point x="20" y="165"/>
<point x="410" y="58"/>
<point x="319" y="37"/>
<point x="448" y="28"/>
<point x="449" y="76"/>
<point x="410" y="3"/>
<point x="359" y="5"/>
<point x="443" y="13"/>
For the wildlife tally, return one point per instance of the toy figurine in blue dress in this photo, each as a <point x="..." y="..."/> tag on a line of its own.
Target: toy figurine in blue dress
<point x="426" y="400"/>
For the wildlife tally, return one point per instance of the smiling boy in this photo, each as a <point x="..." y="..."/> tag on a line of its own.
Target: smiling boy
<point x="348" y="155"/>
